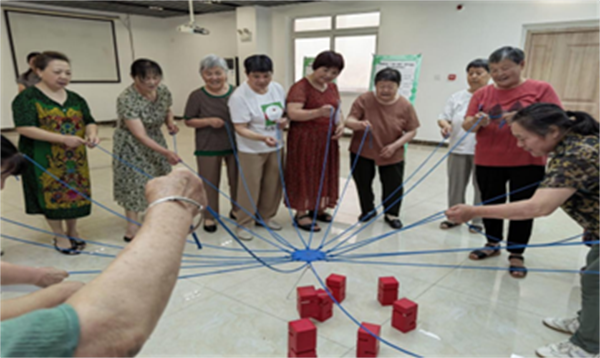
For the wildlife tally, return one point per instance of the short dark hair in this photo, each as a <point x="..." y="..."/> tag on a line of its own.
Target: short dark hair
<point x="144" y="67"/>
<point x="12" y="161"/>
<point x="329" y="59"/>
<point x="42" y="60"/>
<point x="32" y="55"/>
<point x="389" y="74"/>
<point x="479" y="63"/>
<point x="539" y="117"/>
<point x="514" y="54"/>
<point x="258" y="63"/>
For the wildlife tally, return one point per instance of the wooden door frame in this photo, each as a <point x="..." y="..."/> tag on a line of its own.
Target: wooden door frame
<point x="548" y="27"/>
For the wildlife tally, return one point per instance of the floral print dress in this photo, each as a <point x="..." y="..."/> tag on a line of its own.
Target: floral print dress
<point x="129" y="183"/>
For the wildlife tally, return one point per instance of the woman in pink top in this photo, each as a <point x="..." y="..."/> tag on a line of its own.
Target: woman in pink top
<point x="392" y="122"/>
<point x="498" y="158"/>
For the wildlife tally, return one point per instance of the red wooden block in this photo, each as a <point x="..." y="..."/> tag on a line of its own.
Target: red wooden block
<point x="325" y="306"/>
<point x="367" y="345"/>
<point x="404" y="317"/>
<point x="307" y="301"/>
<point x="388" y="283"/>
<point x="307" y="354"/>
<point x="337" y="286"/>
<point x="387" y="291"/>
<point x="302" y="336"/>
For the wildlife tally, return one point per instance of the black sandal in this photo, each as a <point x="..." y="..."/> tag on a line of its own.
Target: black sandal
<point x="80" y="243"/>
<point x="512" y="269"/>
<point x="324" y="217"/>
<point x="306" y="227"/>
<point x="74" y="250"/>
<point x="480" y="254"/>
<point x="445" y="225"/>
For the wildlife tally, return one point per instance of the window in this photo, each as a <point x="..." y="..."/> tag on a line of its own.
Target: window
<point x="352" y="35"/>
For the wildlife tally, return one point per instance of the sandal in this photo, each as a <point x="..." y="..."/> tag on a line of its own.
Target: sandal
<point x="80" y="243"/>
<point x="324" y="217"/>
<point x="306" y="227"/>
<point x="513" y="270"/>
<point x="475" y="229"/>
<point x="481" y="254"/>
<point x="445" y="225"/>
<point x="73" y="250"/>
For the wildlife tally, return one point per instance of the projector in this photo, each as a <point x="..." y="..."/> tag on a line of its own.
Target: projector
<point x="193" y="29"/>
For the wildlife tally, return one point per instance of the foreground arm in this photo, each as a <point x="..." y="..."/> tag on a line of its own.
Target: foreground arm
<point x="120" y="308"/>
<point x="543" y="203"/>
<point x="46" y="298"/>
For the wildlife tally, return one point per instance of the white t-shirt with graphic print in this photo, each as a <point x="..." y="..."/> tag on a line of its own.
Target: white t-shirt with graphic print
<point x="260" y="111"/>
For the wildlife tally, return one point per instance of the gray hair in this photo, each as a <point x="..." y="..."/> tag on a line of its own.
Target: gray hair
<point x="211" y="61"/>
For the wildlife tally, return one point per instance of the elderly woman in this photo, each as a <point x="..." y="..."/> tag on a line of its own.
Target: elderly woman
<point x="257" y="109"/>
<point x="56" y="125"/>
<point x="498" y="158"/>
<point x="571" y="182"/>
<point x="142" y="109"/>
<point x="312" y="103"/>
<point x="30" y="77"/>
<point x="460" y="161"/>
<point x="392" y="122"/>
<point x="207" y="111"/>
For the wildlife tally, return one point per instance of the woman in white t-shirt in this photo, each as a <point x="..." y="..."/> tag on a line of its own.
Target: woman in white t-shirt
<point x="257" y="108"/>
<point x="460" y="161"/>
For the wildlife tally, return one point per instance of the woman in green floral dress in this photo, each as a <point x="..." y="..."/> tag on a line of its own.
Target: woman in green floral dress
<point x="142" y="110"/>
<point x="56" y="125"/>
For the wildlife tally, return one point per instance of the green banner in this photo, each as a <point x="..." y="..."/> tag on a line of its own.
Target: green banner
<point x="409" y="67"/>
<point x="307" y="66"/>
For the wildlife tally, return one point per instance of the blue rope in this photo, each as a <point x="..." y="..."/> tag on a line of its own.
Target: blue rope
<point x="424" y="221"/>
<point x="123" y="161"/>
<point x="238" y="269"/>
<point x="355" y="320"/>
<point x="226" y="264"/>
<point x="329" y="226"/>
<point x="243" y="179"/>
<point x="94" y="201"/>
<point x="426" y="252"/>
<point x="91" y="253"/>
<point x="490" y="268"/>
<point x="325" y="157"/>
<point x="389" y="196"/>
<point x="244" y="246"/>
<point x="246" y="211"/>
<point x="283" y="186"/>
<point x="415" y="184"/>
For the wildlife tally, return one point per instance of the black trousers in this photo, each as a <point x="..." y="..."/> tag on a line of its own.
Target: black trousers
<point x="391" y="177"/>
<point x="492" y="183"/>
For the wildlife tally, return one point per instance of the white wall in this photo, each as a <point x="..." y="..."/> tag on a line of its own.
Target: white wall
<point x="447" y="39"/>
<point x="178" y="54"/>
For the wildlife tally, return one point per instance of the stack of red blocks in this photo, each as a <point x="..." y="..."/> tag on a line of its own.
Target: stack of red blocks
<point x="313" y="303"/>
<point x="404" y="317"/>
<point x="307" y="301"/>
<point x="325" y="310"/>
<point x="367" y="345"/>
<point x="387" y="291"/>
<point x="302" y="338"/>
<point x="337" y="285"/>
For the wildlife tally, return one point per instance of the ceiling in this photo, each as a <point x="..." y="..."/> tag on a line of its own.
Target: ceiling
<point x="161" y="9"/>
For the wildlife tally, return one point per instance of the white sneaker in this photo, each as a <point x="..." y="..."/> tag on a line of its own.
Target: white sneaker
<point x="272" y="224"/>
<point x="565" y="325"/>
<point x="564" y="349"/>
<point x="244" y="235"/>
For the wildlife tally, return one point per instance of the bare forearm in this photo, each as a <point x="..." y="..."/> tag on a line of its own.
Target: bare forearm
<point x="247" y="133"/>
<point x="199" y="122"/>
<point x="40" y="134"/>
<point x="406" y="137"/>
<point x="470" y="122"/>
<point x="44" y="298"/>
<point x="303" y="115"/>
<point x="91" y="130"/>
<point x="129" y="305"/>
<point x="521" y="210"/>
<point x="11" y="274"/>
<point x="170" y="118"/>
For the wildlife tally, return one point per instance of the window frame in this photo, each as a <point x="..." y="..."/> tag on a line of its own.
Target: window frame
<point x="332" y="34"/>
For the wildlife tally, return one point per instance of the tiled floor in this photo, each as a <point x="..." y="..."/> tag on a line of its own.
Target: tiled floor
<point x="462" y="312"/>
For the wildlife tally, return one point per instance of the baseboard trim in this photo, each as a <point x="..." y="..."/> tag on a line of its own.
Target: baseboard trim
<point x="430" y="143"/>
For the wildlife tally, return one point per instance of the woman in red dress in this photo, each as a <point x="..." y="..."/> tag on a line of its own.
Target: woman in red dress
<point x="312" y="103"/>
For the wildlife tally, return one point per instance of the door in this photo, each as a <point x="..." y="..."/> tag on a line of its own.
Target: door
<point x="569" y="60"/>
